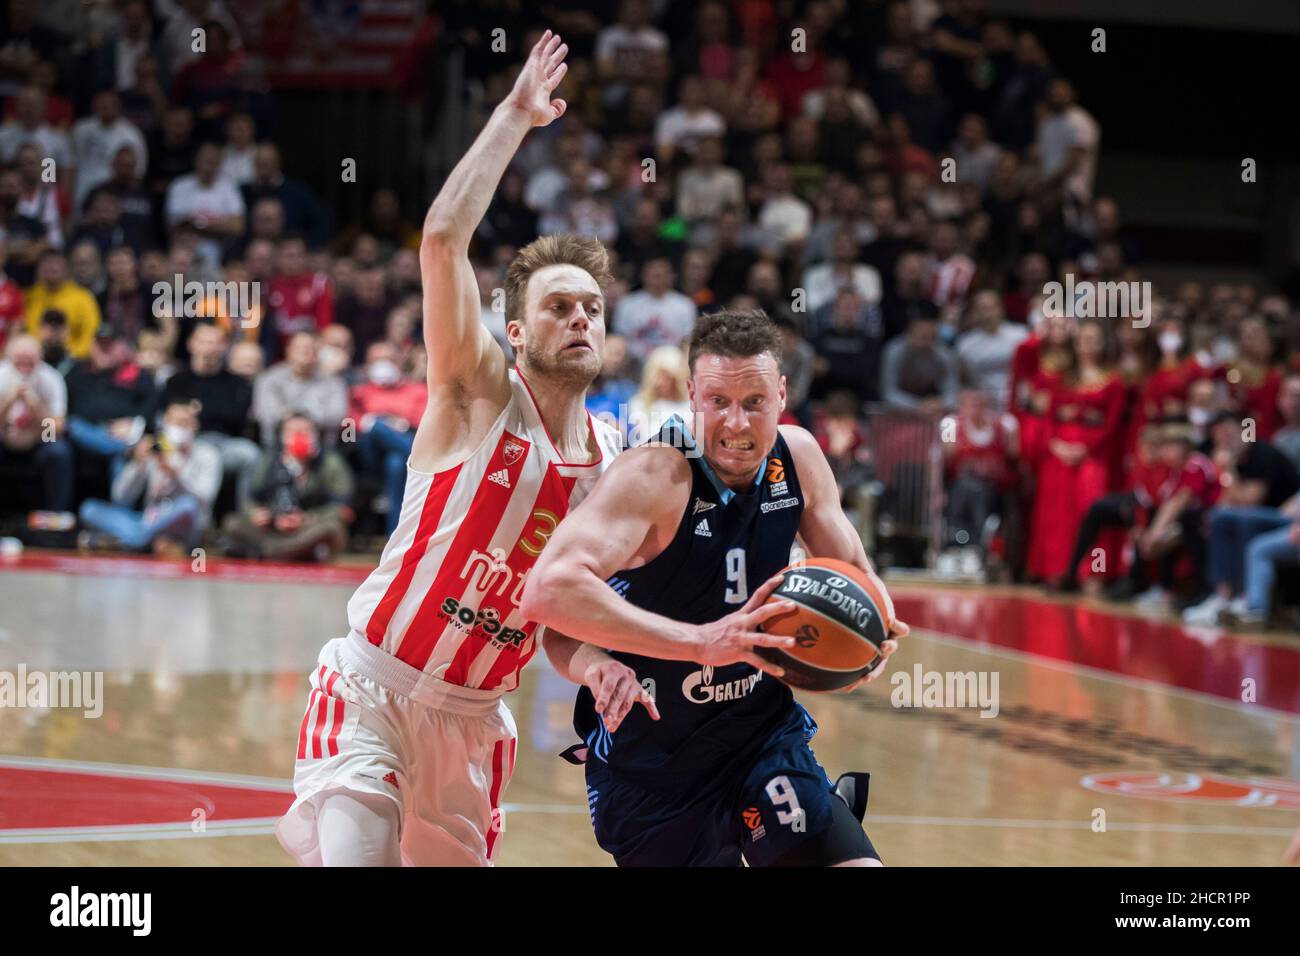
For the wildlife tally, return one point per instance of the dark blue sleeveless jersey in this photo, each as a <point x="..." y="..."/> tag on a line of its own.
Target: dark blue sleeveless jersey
<point x="727" y="544"/>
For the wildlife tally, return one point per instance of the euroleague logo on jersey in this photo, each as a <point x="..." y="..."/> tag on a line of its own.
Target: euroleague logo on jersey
<point x="776" y="476"/>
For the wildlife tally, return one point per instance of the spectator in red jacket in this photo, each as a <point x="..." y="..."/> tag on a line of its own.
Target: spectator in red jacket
<point x="980" y="446"/>
<point x="1253" y="381"/>
<point x="1175" y="528"/>
<point x="298" y="299"/>
<point x="1084" y="432"/>
<point x="385" y="410"/>
<point x="11" y="299"/>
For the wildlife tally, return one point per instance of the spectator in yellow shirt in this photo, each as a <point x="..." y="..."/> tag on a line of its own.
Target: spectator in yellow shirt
<point x="54" y="290"/>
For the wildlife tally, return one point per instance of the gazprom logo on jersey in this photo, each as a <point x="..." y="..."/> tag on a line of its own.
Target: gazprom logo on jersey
<point x="830" y="592"/>
<point x="699" y="688"/>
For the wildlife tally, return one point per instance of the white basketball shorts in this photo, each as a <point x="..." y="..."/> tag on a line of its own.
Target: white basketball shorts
<point x="375" y="725"/>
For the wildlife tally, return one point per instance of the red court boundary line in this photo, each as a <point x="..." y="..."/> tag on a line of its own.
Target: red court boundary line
<point x="222" y="569"/>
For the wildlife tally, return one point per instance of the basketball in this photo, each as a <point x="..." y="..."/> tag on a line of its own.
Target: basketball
<point x="843" y="615"/>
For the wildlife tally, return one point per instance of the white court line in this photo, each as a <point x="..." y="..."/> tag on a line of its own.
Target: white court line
<point x="1008" y="823"/>
<point x="1100" y="674"/>
<point x="169" y="774"/>
<point x="265" y="827"/>
<point x="253" y="826"/>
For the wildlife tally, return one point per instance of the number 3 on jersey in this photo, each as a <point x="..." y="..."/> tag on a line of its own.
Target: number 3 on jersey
<point x="737" y="588"/>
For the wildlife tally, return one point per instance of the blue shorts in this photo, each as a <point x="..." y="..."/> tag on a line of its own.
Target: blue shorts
<point x="783" y="812"/>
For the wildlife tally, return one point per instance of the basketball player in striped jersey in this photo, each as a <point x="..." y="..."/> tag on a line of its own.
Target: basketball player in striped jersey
<point x="407" y="746"/>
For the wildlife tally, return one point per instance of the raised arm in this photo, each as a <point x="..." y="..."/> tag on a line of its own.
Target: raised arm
<point x="629" y="518"/>
<point x="461" y="350"/>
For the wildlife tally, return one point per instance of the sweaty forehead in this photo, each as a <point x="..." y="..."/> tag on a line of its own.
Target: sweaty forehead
<point x="722" y="372"/>
<point x="563" y="279"/>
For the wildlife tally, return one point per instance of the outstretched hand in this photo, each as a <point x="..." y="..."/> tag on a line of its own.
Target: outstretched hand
<point x="541" y="74"/>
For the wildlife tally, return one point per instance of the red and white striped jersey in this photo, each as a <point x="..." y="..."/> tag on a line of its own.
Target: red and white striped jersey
<point x="445" y="597"/>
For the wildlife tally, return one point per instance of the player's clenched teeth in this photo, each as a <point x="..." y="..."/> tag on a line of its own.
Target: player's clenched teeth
<point x="737" y="444"/>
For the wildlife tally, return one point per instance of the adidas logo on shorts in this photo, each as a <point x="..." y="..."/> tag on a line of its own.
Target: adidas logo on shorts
<point x="702" y="529"/>
<point x="501" y="477"/>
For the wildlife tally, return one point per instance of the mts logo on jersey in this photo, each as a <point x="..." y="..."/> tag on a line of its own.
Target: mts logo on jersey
<point x="776" y="476"/>
<point x="698" y="687"/>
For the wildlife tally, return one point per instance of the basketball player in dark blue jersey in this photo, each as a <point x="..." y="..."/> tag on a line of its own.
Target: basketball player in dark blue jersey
<point x="652" y="592"/>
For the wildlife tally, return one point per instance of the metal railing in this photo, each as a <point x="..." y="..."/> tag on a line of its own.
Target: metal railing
<point x="907" y="492"/>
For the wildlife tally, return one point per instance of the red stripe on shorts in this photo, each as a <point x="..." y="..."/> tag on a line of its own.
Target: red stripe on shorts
<point x="494" y="798"/>
<point x="322" y="708"/>
<point x="306" y="719"/>
<point x="333" y="743"/>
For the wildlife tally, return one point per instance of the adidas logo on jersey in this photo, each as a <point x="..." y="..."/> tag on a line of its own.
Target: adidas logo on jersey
<point x="702" y="529"/>
<point x="501" y="477"/>
<point x="702" y="505"/>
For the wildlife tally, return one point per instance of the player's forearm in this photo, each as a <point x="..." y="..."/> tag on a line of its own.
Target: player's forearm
<point x="464" y="198"/>
<point x="570" y="658"/>
<point x="578" y="603"/>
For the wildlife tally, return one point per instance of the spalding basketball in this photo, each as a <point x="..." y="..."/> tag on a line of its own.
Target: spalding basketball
<point x="842" y="616"/>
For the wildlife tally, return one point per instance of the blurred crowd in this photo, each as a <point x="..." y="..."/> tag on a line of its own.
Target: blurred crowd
<point x="897" y="183"/>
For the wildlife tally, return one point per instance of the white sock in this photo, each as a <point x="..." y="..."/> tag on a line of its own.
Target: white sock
<point x="359" y="830"/>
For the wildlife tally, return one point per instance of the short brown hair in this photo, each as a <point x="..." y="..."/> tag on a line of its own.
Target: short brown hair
<point x="735" y="334"/>
<point x="560" y="249"/>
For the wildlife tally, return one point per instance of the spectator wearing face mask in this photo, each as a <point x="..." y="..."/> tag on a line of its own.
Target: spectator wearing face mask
<point x="1164" y="392"/>
<point x="336" y="351"/>
<point x="387" y="409"/>
<point x="980" y="465"/>
<point x="162" y="497"/>
<point x="33" y="404"/>
<point x="224" y="401"/>
<point x="301" y="499"/>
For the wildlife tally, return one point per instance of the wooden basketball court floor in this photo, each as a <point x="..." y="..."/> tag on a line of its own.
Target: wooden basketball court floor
<point x="1118" y="739"/>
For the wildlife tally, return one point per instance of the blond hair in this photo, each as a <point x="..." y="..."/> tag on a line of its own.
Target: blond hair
<point x="667" y="358"/>
<point x="560" y="249"/>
